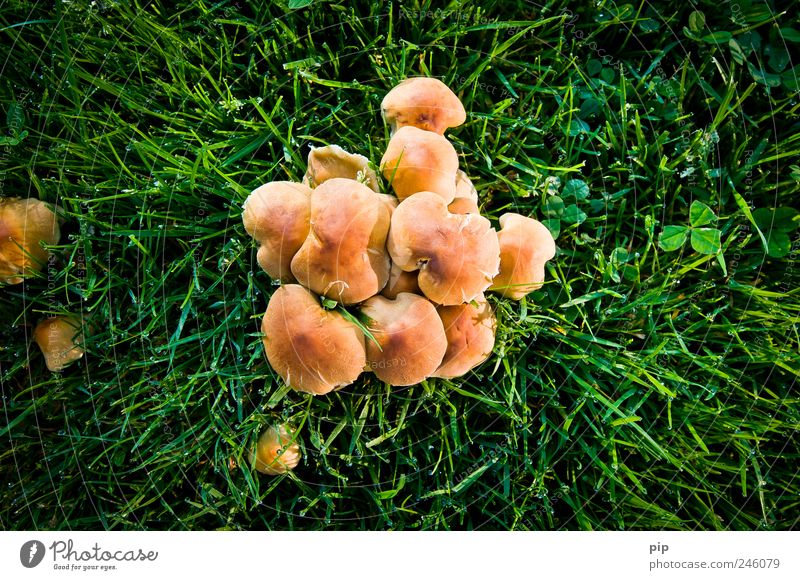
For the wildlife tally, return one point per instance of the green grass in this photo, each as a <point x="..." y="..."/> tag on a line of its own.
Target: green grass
<point x="639" y="389"/>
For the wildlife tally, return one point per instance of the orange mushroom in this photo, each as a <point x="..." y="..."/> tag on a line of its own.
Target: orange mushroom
<point x="277" y="216"/>
<point x="422" y="102"/>
<point x="409" y="339"/>
<point x="400" y="281"/>
<point x="417" y="160"/>
<point x="313" y="350"/>
<point x="344" y="256"/>
<point x="470" y="330"/>
<point x="457" y="256"/>
<point x="61" y="340"/>
<point x="525" y="246"/>
<point x="275" y="453"/>
<point x="325" y="163"/>
<point x="25" y="224"/>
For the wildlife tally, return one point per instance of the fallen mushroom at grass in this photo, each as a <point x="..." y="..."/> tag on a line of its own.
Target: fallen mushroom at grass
<point x="276" y="452"/>
<point x="344" y="256"/>
<point x="470" y="330"/>
<point x="417" y="160"/>
<point x="457" y="256"/>
<point x="61" y="340"/>
<point x="25" y="224"/>
<point x="325" y="163"/>
<point x="313" y="350"/>
<point x="277" y="216"/>
<point x="525" y="246"/>
<point x="422" y="102"/>
<point x="408" y="339"/>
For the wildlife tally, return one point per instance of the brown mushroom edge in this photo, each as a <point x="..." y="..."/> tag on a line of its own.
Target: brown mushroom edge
<point x="470" y="330"/>
<point x="344" y="256"/>
<point x="332" y="161"/>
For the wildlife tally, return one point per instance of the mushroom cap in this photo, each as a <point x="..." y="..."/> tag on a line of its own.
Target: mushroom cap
<point x="61" y="341"/>
<point x="314" y="350"/>
<point x="411" y="341"/>
<point x="277" y="216"/>
<point x="457" y="255"/>
<point x="275" y="453"/>
<point x="525" y="246"/>
<point x="417" y="160"/>
<point x="470" y="330"/>
<point x="344" y="256"/>
<point x="24" y="225"/>
<point x="325" y="163"/>
<point x="422" y="102"/>
<point x="400" y="281"/>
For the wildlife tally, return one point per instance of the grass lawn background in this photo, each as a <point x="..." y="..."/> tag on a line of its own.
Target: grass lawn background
<point x="651" y="384"/>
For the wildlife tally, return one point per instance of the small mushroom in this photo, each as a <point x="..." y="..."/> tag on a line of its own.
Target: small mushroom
<point x="25" y="224"/>
<point x="410" y="341"/>
<point x="417" y="160"/>
<point x="525" y="246"/>
<point x="314" y="350"/>
<point x="277" y="216"/>
<point x="422" y="102"/>
<point x="400" y="281"/>
<point x="276" y="453"/>
<point x="61" y="341"/>
<point x="457" y="255"/>
<point x="470" y="330"/>
<point x="325" y="163"/>
<point x="344" y="256"/>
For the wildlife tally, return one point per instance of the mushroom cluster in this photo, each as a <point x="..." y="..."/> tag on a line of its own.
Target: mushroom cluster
<point x="411" y="267"/>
